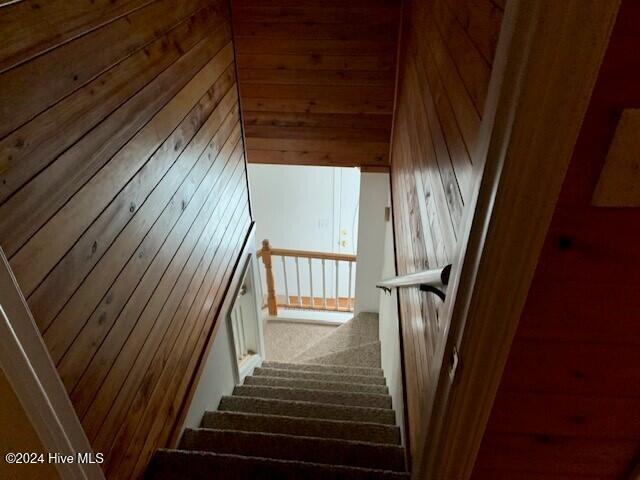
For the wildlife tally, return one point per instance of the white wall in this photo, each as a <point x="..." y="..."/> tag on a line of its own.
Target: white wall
<point x="217" y="378"/>
<point x="390" y="331"/>
<point x="374" y="195"/>
<point x="306" y="208"/>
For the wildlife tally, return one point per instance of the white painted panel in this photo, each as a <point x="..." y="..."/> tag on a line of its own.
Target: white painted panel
<point x="347" y="181"/>
<point x="217" y="377"/>
<point x="374" y="194"/>
<point x="391" y="355"/>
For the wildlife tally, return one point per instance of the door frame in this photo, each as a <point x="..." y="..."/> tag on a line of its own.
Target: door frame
<point x="26" y="362"/>
<point x="546" y="64"/>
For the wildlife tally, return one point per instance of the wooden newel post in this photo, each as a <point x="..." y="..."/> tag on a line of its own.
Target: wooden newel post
<point x="272" y="305"/>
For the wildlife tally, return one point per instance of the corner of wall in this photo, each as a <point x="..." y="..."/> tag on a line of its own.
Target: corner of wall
<point x="389" y="325"/>
<point x="217" y="379"/>
<point x="374" y="198"/>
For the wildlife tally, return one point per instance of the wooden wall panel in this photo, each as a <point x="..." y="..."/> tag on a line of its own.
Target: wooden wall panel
<point x="317" y="80"/>
<point x="447" y="49"/>
<point x="568" y="405"/>
<point x="123" y="200"/>
<point x="619" y="183"/>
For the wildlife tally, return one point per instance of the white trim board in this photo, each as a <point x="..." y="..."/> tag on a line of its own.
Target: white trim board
<point x="25" y="360"/>
<point x="248" y="365"/>
<point x="310" y="316"/>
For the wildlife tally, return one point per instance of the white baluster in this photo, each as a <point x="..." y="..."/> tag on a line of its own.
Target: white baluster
<point x="311" y="285"/>
<point x="337" y="284"/>
<point x="286" y="284"/>
<point x="350" y="298"/>
<point x="324" y="287"/>
<point x="234" y="328"/>
<point x="298" y="280"/>
<point x="243" y="340"/>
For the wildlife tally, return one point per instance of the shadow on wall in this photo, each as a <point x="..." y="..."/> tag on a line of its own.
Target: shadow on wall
<point x="374" y="198"/>
<point x="389" y="323"/>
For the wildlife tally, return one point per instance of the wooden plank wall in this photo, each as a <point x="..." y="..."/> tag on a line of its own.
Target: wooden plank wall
<point x="447" y="52"/>
<point x="123" y="199"/>
<point x="317" y="79"/>
<point x="568" y="406"/>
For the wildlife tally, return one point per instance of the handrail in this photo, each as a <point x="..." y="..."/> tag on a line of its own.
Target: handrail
<point x="285" y="252"/>
<point x="427" y="280"/>
<point x="301" y="300"/>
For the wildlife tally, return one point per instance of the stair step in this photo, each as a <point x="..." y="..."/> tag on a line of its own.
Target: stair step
<point x="307" y="409"/>
<point x="324" y="377"/>
<point x="335" y="369"/>
<point x="289" y="447"/>
<point x="320" y="396"/>
<point x="367" y="355"/>
<point x="184" y="465"/>
<point x="308" y="427"/>
<point x="315" y="384"/>
<point x="328" y="417"/>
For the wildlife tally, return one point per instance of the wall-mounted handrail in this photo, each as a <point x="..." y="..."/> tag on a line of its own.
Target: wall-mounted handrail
<point x="301" y="300"/>
<point x="428" y="281"/>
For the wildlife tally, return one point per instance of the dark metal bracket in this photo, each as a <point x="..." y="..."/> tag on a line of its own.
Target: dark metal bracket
<point x="446" y="273"/>
<point x="434" y="290"/>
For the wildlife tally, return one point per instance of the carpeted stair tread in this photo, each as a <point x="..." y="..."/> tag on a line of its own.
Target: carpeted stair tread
<point x="367" y="355"/>
<point x="335" y="369"/>
<point x="308" y="427"/>
<point x="361" y="329"/>
<point x="324" y="377"/>
<point x="354" y="399"/>
<point x="186" y="465"/>
<point x="329" y="417"/>
<point x="294" y="408"/>
<point x="315" y="384"/>
<point x="289" y="447"/>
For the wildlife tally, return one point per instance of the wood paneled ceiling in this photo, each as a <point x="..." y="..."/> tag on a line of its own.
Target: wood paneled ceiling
<point x="317" y="79"/>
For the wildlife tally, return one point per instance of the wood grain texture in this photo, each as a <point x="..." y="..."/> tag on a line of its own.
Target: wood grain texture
<point x="567" y="403"/>
<point x="93" y="102"/>
<point x="619" y="183"/>
<point x="443" y="81"/>
<point x="306" y="71"/>
<point x="80" y="60"/>
<point x="123" y="232"/>
<point x="36" y="27"/>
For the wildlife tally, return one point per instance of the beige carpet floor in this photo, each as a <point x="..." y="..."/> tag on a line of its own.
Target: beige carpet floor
<point x="286" y="340"/>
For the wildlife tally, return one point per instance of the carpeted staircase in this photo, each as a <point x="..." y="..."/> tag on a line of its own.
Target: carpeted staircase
<point x="327" y="416"/>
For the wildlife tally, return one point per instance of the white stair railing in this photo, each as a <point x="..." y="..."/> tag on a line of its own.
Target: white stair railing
<point x="340" y="298"/>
